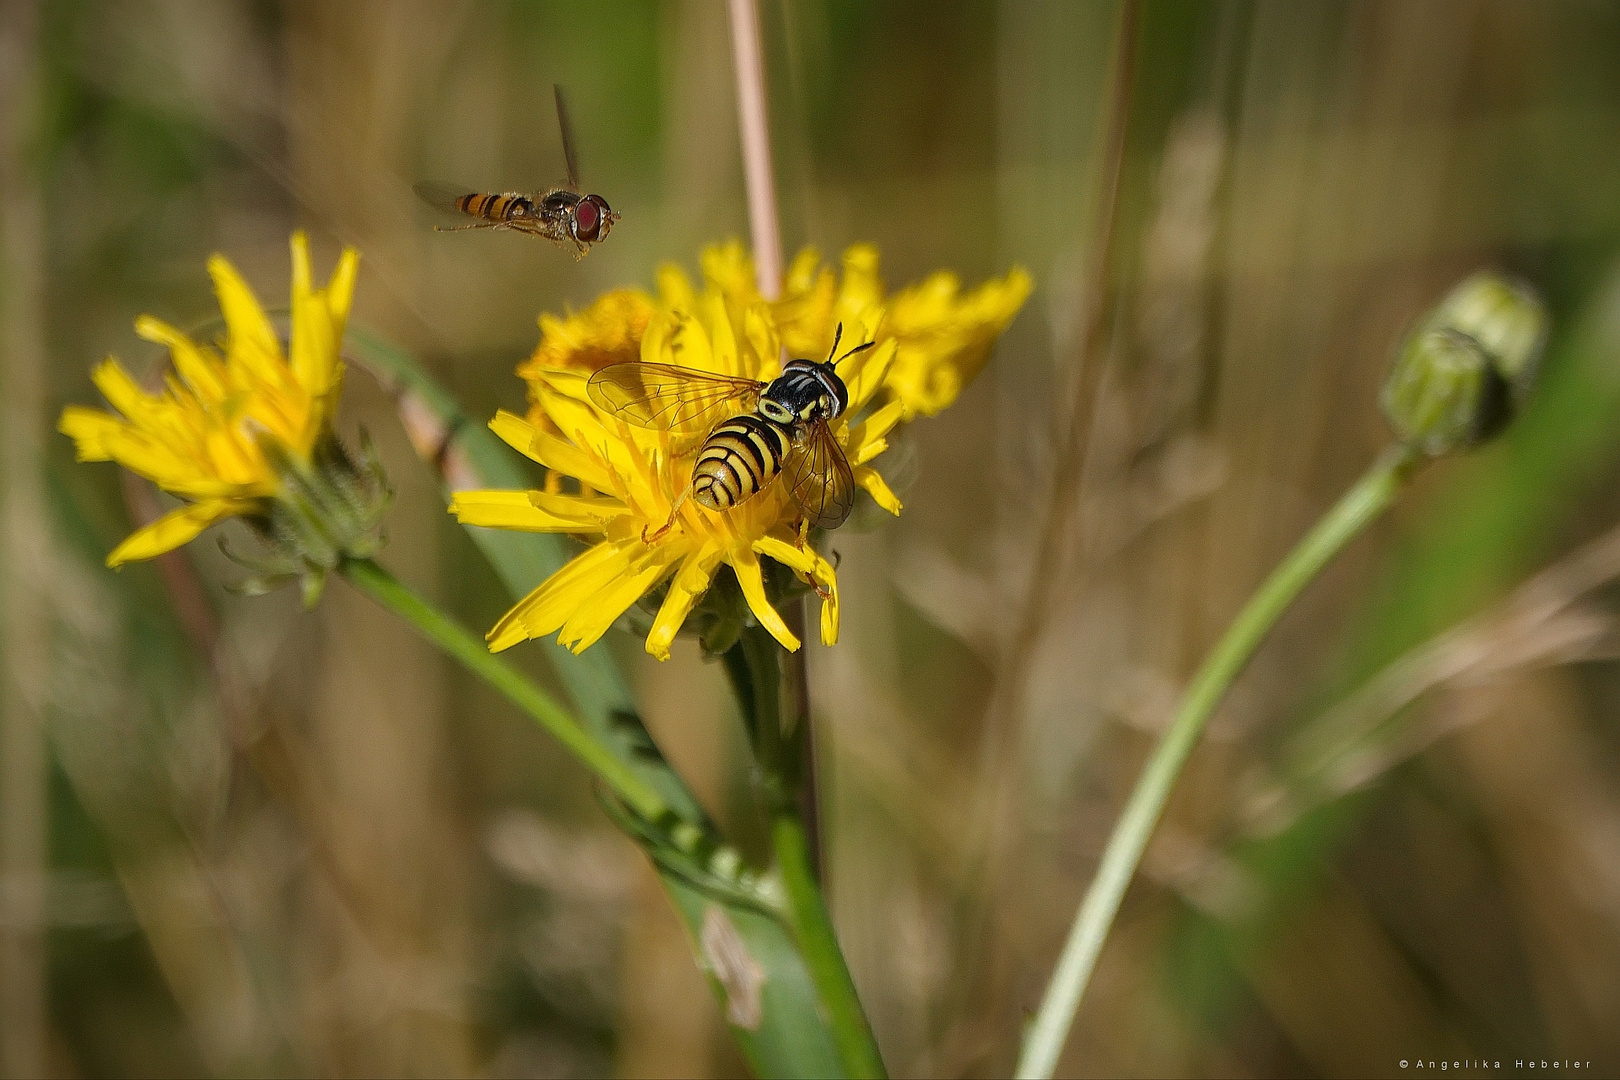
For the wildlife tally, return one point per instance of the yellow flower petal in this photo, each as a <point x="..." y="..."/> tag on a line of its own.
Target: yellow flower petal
<point x="145" y="456"/>
<point x="586" y="509"/>
<point x="866" y="441"/>
<point x="548" y="607"/>
<point x="313" y="349"/>
<point x="202" y="373"/>
<point x="550" y="451"/>
<point x="946" y="340"/>
<point x="869" y="450"/>
<point x="172" y="470"/>
<point x="687" y="344"/>
<point x="582" y="424"/>
<point x="829" y="615"/>
<point x="301" y="287"/>
<point x="515" y="432"/>
<point x="647" y="568"/>
<point x="868" y="478"/>
<point x="609" y="331"/>
<point x="730" y="271"/>
<point x="722" y="341"/>
<point x="804" y="314"/>
<point x="691" y="582"/>
<point x="867" y="370"/>
<point x="251" y="335"/>
<point x="90" y="430"/>
<point x="566" y="382"/>
<point x="586" y="467"/>
<point x="675" y="292"/>
<point x="860" y="295"/>
<point x="763" y="344"/>
<point x="340" y="290"/>
<point x="788" y="554"/>
<point x="173" y="529"/>
<point x="123" y="392"/>
<point x="525" y="511"/>
<point x="863" y="285"/>
<point x="808" y="563"/>
<point x="802" y="272"/>
<point x="753" y="587"/>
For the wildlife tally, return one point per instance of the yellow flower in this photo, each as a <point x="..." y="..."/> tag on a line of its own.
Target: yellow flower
<point x="607" y="332"/>
<point x="944" y="338"/>
<point x="213" y="435"/>
<point x="630" y="480"/>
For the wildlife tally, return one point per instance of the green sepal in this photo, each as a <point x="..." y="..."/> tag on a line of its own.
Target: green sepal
<point x="1468" y="367"/>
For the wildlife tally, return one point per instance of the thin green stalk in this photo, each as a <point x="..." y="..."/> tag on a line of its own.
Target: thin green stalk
<point x="1359" y="506"/>
<point x="813" y="928"/>
<point x="755" y="665"/>
<point x="377" y="583"/>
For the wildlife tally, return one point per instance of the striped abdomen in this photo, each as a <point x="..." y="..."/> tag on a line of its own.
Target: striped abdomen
<point x="495" y="207"/>
<point x="738" y="458"/>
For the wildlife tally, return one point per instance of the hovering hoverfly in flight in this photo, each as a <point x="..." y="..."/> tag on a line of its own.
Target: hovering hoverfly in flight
<point x="562" y="215"/>
<point x="755" y="430"/>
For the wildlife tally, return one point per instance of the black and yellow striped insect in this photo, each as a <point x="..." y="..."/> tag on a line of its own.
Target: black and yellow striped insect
<point x="755" y="430"/>
<point x="562" y="215"/>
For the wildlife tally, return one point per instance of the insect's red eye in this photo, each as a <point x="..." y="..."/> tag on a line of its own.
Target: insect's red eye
<point x="587" y="219"/>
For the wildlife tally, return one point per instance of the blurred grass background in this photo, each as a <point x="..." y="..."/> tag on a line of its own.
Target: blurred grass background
<point x="314" y="848"/>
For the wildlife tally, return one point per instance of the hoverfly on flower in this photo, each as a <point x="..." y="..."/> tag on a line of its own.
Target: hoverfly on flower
<point x="563" y="215"/>
<point x="627" y="486"/>
<point x="771" y="428"/>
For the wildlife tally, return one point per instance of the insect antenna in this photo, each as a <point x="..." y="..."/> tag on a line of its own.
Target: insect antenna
<point x="838" y="335"/>
<point x="852" y="352"/>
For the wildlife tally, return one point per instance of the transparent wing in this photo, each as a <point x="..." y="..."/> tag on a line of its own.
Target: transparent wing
<point x="820" y="478"/>
<point x="567" y="137"/>
<point x="669" y="398"/>
<point x="440" y="196"/>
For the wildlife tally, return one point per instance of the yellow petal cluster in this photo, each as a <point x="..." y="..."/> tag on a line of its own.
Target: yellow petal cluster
<point x="607" y="332"/>
<point x="630" y="480"/>
<point x="201" y="436"/>
<point x="943" y="337"/>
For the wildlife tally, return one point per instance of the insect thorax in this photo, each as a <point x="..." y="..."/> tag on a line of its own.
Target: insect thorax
<point x="559" y="200"/>
<point x="806" y="390"/>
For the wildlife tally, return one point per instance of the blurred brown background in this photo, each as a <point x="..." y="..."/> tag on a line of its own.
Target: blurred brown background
<point x="317" y="849"/>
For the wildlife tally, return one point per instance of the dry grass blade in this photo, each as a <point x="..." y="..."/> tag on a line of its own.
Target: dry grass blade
<point x="1549" y="620"/>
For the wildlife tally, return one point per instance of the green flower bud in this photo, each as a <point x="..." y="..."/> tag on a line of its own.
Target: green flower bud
<point x="1467" y="367"/>
<point x="1506" y="318"/>
<point x="327" y="509"/>
<point x="1434" y="397"/>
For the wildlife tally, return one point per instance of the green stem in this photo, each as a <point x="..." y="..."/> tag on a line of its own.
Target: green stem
<point x="1359" y="506"/>
<point x="813" y="929"/>
<point x="755" y="666"/>
<point x="377" y="583"/>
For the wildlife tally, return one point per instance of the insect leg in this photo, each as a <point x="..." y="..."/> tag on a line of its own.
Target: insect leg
<point x="802" y="541"/>
<point x="653" y="538"/>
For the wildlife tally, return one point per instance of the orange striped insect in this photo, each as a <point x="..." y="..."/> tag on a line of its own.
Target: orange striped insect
<point x="562" y="215"/>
